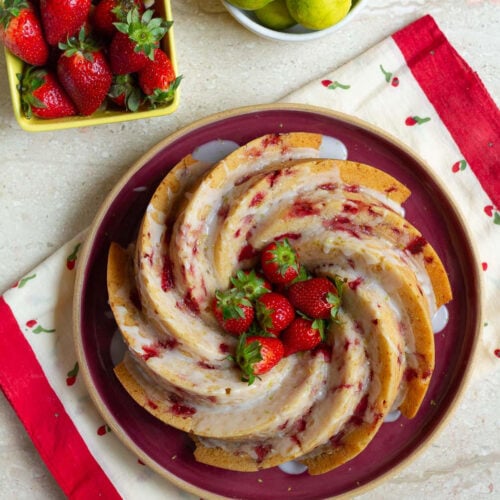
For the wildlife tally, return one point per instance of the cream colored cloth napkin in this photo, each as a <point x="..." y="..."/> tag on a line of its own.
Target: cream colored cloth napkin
<point x="414" y="86"/>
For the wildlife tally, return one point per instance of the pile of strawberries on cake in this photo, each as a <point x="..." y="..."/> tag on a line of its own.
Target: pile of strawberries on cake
<point x="276" y="310"/>
<point x="80" y="57"/>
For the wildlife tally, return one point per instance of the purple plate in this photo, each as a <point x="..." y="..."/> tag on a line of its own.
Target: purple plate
<point x="168" y="450"/>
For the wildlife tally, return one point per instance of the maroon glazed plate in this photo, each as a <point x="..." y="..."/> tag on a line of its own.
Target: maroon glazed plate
<point x="169" y="451"/>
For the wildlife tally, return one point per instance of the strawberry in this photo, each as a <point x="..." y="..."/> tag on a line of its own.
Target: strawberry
<point x="84" y="73"/>
<point x="62" y="19"/>
<point x="279" y="262"/>
<point x="136" y="40"/>
<point x="125" y="93"/>
<point x="43" y="96"/>
<point x="157" y="79"/>
<point x="108" y="12"/>
<point x="21" y="32"/>
<point x="233" y="311"/>
<point x="274" y="312"/>
<point x="303" y="334"/>
<point x="250" y="284"/>
<point x="317" y="297"/>
<point x="257" y="355"/>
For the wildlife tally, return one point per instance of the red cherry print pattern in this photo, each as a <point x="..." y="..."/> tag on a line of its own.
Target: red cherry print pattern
<point x="71" y="259"/>
<point x="484" y="265"/>
<point x="389" y="78"/>
<point x="33" y="325"/>
<point x="71" y="375"/>
<point x="496" y="352"/>
<point x="332" y="85"/>
<point x="103" y="429"/>
<point x="488" y="210"/>
<point x="416" y="120"/>
<point x="459" y="166"/>
<point x="491" y="211"/>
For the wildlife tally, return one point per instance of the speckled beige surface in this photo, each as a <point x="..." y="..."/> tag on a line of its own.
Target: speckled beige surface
<point x="51" y="185"/>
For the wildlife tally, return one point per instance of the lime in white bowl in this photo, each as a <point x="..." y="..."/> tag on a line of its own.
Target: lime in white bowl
<point x="297" y="32"/>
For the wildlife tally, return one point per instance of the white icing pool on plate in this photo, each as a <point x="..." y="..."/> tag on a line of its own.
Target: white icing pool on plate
<point x="214" y="151"/>
<point x="332" y="148"/>
<point x="293" y="467"/>
<point x="440" y="319"/>
<point x="117" y="348"/>
<point x="392" y="416"/>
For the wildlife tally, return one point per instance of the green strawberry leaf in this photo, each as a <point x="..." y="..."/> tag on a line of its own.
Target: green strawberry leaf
<point x="246" y="357"/>
<point x="303" y="275"/>
<point x="335" y="299"/>
<point x="319" y="324"/>
<point x="284" y="257"/>
<point x="121" y="27"/>
<point x="250" y="284"/>
<point x="230" y="302"/>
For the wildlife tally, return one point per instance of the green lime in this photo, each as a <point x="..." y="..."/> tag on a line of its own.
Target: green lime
<point x="318" y="14"/>
<point x="275" y="15"/>
<point x="249" y="4"/>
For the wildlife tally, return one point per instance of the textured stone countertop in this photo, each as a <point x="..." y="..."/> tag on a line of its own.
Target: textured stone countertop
<point x="52" y="183"/>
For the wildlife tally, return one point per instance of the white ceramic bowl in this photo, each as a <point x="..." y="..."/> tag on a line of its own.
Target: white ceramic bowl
<point x="296" y="33"/>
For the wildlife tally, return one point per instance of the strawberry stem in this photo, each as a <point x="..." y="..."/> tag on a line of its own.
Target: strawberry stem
<point x="247" y="355"/>
<point x="230" y="302"/>
<point x="162" y="97"/>
<point x="81" y="44"/>
<point x="251" y="285"/>
<point x="32" y="79"/>
<point x="145" y="31"/>
<point x="335" y="299"/>
<point x="10" y="9"/>
<point x="284" y="256"/>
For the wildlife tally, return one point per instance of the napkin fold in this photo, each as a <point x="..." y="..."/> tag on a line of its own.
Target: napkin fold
<point x="413" y="85"/>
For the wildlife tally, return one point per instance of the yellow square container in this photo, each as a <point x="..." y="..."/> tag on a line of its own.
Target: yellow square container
<point x="15" y="66"/>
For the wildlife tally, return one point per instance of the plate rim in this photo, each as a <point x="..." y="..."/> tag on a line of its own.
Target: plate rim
<point x="139" y="163"/>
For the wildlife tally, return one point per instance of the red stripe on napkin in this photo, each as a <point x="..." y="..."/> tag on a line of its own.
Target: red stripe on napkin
<point x="44" y="417"/>
<point x="459" y="97"/>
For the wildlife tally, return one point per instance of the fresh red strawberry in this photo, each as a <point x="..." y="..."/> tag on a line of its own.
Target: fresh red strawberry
<point x="21" y="32"/>
<point x="233" y="311"/>
<point x="302" y="335"/>
<point x="317" y="297"/>
<point x="108" y="12"/>
<point x="274" y="312"/>
<point x="125" y="93"/>
<point x="157" y="79"/>
<point x="250" y="284"/>
<point x="84" y="73"/>
<point x="62" y="19"/>
<point x="257" y="355"/>
<point x="43" y="96"/>
<point x="279" y="262"/>
<point x="136" y="41"/>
